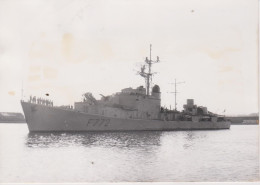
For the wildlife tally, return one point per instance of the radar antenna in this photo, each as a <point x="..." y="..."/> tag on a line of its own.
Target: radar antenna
<point x="148" y="75"/>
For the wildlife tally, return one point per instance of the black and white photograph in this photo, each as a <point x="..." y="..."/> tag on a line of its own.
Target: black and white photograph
<point x="119" y="91"/>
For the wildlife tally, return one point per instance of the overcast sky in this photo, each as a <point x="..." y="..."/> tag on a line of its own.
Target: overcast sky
<point x="66" y="48"/>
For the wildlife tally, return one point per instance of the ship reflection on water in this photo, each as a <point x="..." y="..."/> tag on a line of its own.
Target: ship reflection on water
<point x="141" y="139"/>
<point x="93" y="139"/>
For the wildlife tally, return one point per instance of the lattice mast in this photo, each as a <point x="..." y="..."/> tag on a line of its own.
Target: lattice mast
<point x="148" y="75"/>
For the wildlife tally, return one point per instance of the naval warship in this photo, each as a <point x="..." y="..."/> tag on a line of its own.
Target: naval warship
<point x="132" y="109"/>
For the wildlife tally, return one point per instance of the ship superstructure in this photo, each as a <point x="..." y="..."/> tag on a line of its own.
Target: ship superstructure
<point x="130" y="103"/>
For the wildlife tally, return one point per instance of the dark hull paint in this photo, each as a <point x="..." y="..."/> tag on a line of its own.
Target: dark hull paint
<point x="42" y="118"/>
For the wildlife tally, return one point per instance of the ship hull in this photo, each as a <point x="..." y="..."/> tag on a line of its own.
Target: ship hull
<point x="40" y="118"/>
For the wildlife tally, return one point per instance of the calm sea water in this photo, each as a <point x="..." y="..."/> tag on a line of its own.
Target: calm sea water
<point x="222" y="155"/>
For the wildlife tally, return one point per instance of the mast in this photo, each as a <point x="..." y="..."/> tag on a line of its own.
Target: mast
<point x="175" y="92"/>
<point x="148" y="75"/>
